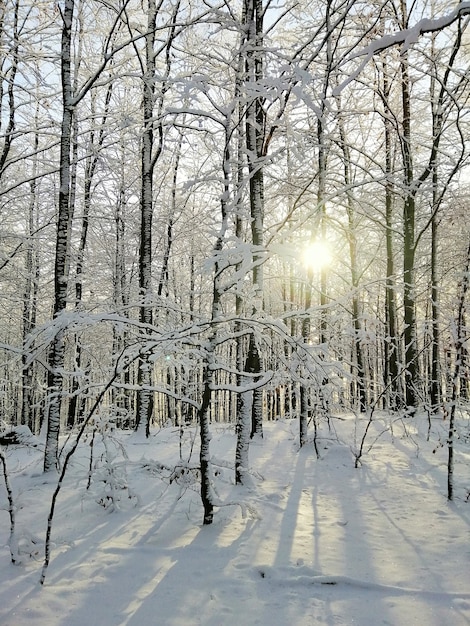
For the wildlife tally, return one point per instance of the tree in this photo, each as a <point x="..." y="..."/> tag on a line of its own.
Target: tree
<point x="256" y="148"/>
<point x="71" y="97"/>
<point x="459" y="338"/>
<point x="150" y="153"/>
<point x="57" y="350"/>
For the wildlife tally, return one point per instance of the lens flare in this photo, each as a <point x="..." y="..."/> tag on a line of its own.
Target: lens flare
<point x="316" y="255"/>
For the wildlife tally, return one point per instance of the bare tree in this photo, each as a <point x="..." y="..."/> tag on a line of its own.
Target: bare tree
<point x="71" y="97"/>
<point x="152" y="146"/>
<point x="460" y="338"/>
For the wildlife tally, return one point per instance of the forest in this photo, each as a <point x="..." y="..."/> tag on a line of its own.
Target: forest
<point x="232" y="213"/>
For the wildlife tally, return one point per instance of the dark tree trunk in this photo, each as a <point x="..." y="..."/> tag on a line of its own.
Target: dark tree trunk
<point x="150" y="152"/>
<point x="13" y="55"/>
<point x="360" y="376"/>
<point x="255" y="134"/>
<point x="145" y="397"/>
<point x="411" y="365"/>
<point x="391" y="370"/>
<point x="57" y="350"/>
<point x="459" y="343"/>
<point x="204" y="456"/>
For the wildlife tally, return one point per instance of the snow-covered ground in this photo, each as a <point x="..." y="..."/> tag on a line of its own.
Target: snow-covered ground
<point x="315" y="541"/>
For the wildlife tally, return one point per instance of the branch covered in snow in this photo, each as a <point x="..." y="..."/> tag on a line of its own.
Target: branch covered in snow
<point x="406" y="38"/>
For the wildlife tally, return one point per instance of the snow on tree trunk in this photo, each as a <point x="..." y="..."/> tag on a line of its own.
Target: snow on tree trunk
<point x="207" y="381"/>
<point x="460" y="337"/>
<point x="204" y="455"/>
<point x="144" y="407"/>
<point x="12" y="541"/>
<point x="246" y="412"/>
<point x="391" y="369"/>
<point x="150" y="152"/>
<point x="255" y="129"/>
<point x="245" y="407"/>
<point x="30" y="304"/>
<point x="57" y="350"/>
<point x="13" y="58"/>
<point x="435" y="385"/>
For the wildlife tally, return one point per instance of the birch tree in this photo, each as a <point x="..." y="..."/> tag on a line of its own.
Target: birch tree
<point x="57" y="350"/>
<point x="71" y="97"/>
<point x="256" y="154"/>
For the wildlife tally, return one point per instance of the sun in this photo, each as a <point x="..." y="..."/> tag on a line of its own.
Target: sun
<point x="316" y="255"/>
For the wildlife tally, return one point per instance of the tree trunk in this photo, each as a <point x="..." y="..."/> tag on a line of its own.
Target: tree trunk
<point x="352" y="239"/>
<point x="409" y="212"/>
<point x="459" y="343"/>
<point x="150" y="152"/>
<point x="120" y="291"/>
<point x="204" y="455"/>
<point x="145" y="399"/>
<point x="321" y="202"/>
<point x="13" y="55"/>
<point x="57" y="350"/>
<point x="435" y="386"/>
<point x="255" y="131"/>
<point x="305" y="412"/>
<point x="244" y="399"/>
<point x="245" y="411"/>
<point x="30" y="302"/>
<point x="391" y="370"/>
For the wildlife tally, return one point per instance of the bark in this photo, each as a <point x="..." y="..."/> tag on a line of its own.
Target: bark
<point x="163" y="282"/>
<point x="244" y="413"/>
<point x="204" y="455"/>
<point x="121" y="292"/>
<point x="13" y="55"/>
<point x="321" y="200"/>
<point x="352" y="239"/>
<point x="57" y="351"/>
<point x="303" y="415"/>
<point x="321" y="194"/>
<point x="409" y="213"/>
<point x="145" y="399"/>
<point x="459" y="343"/>
<point x="207" y="380"/>
<point x="391" y="368"/>
<point x="244" y="400"/>
<point x="435" y="385"/>
<point x="255" y="135"/>
<point x="30" y="302"/>
<point x="150" y="152"/>
<point x="12" y="508"/>
<point x="305" y="412"/>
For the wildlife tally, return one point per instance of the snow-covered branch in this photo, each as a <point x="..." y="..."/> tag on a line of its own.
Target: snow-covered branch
<point x="405" y="37"/>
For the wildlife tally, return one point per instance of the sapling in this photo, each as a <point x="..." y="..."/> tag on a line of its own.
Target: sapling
<point x="111" y="475"/>
<point x="68" y="456"/>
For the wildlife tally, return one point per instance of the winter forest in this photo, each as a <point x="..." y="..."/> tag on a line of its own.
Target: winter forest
<point x="231" y="214"/>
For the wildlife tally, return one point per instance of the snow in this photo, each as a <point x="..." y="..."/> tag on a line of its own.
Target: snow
<point x="406" y="37"/>
<point x="311" y="541"/>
